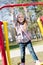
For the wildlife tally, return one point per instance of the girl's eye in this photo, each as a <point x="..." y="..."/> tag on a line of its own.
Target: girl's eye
<point x="20" y="17"/>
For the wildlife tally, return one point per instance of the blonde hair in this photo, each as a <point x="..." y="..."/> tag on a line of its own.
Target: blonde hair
<point x="20" y="13"/>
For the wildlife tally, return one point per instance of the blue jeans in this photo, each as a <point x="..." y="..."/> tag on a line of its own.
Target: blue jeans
<point x="31" y="50"/>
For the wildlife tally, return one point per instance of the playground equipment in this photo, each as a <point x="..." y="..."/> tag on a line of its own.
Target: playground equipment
<point x="40" y="23"/>
<point x="7" y="41"/>
<point x="4" y="60"/>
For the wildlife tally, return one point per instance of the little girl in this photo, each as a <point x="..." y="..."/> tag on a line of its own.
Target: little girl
<point x="23" y="37"/>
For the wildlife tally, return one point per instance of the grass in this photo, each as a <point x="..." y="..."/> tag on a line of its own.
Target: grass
<point x="29" y="60"/>
<point x="16" y="46"/>
<point x="40" y="42"/>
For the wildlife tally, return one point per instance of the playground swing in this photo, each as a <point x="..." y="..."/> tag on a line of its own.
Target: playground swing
<point x="4" y="60"/>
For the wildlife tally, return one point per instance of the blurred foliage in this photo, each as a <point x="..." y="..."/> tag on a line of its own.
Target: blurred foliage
<point x="23" y="1"/>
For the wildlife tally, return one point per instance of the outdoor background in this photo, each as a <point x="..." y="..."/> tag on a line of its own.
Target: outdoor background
<point x="34" y="12"/>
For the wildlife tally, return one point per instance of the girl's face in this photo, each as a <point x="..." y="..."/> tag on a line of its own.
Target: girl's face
<point x="20" y="17"/>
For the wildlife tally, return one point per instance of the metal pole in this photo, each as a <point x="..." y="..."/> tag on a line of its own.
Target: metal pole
<point x="7" y="41"/>
<point x="4" y="60"/>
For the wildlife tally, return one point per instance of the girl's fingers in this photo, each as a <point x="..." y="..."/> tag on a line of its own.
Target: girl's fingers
<point x="25" y="8"/>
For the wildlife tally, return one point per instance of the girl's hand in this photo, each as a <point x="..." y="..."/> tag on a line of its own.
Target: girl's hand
<point x="25" y="9"/>
<point x="11" y="10"/>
